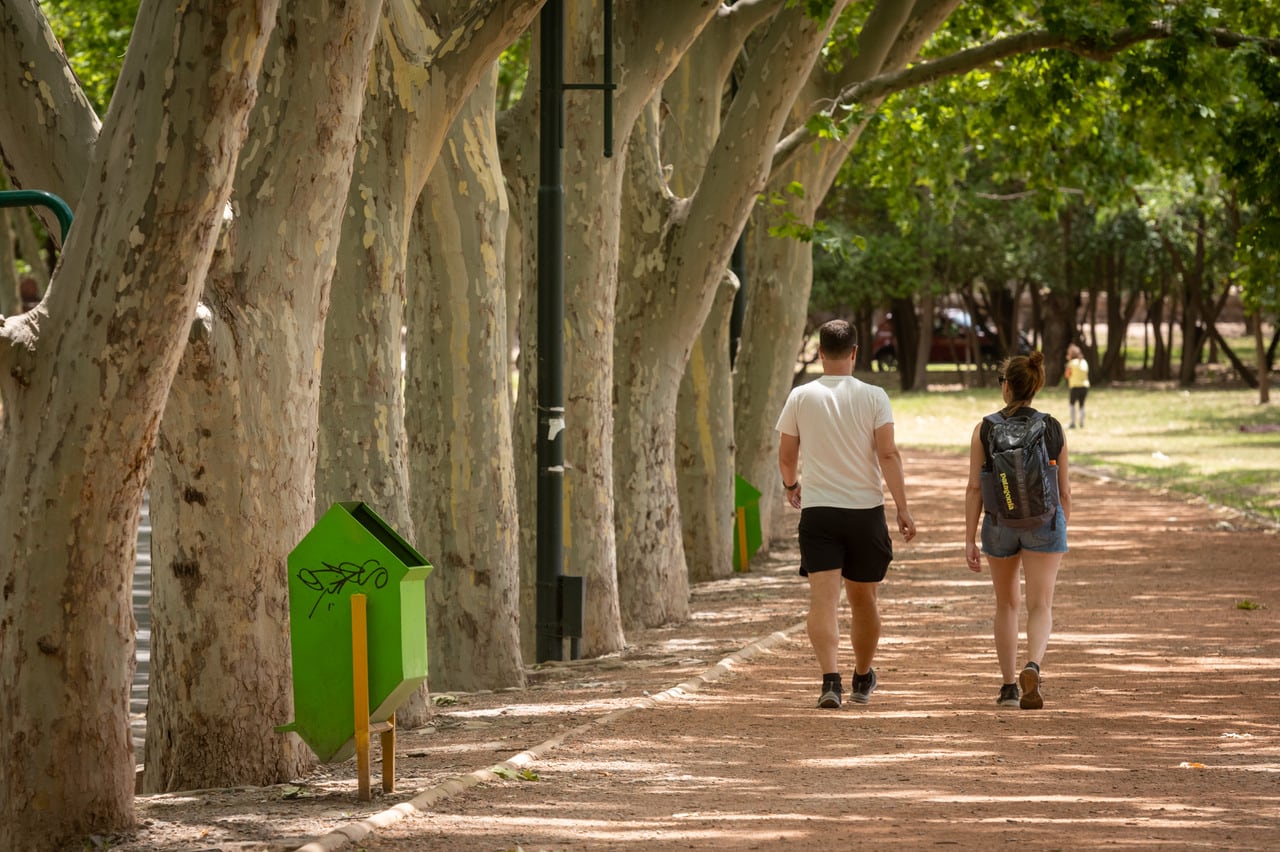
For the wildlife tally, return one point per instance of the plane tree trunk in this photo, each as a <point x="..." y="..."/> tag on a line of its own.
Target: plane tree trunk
<point x="675" y="254"/>
<point x="650" y="37"/>
<point x="233" y="487"/>
<point x="705" y="463"/>
<point x="84" y="381"/>
<point x="890" y="38"/>
<point x="458" y="418"/>
<point x="704" y="446"/>
<point x="426" y="66"/>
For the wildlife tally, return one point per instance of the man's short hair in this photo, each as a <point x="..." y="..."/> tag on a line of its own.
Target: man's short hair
<point x="837" y="338"/>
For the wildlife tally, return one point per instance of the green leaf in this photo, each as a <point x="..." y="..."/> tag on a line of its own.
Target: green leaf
<point x="94" y="35"/>
<point x="509" y="774"/>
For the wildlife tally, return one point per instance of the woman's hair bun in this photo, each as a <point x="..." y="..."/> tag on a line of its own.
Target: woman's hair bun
<point x="1036" y="358"/>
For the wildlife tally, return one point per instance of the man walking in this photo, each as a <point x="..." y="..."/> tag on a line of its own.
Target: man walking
<point x="846" y="429"/>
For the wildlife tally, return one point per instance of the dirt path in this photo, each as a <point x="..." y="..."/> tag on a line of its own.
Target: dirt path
<point x="1161" y="725"/>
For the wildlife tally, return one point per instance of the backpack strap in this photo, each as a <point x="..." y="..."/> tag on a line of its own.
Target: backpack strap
<point x="989" y="496"/>
<point x="984" y="435"/>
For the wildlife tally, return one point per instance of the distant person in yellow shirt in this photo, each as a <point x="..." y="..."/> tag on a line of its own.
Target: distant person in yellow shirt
<point x="1077" y="383"/>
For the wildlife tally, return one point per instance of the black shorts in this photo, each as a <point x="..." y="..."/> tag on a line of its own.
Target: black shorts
<point x="854" y="540"/>
<point x="1076" y="395"/>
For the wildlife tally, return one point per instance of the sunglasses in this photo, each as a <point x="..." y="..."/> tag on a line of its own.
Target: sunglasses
<point x="1000" y="378"/>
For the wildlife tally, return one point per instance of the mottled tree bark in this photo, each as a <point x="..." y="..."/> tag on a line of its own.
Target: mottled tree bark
<point x="232" y="492"/>
<point x="458" y="418"/>
<point x="704" y="446"/>
<point x="675" y="255"/>
<point x="84" y="381"/>
<point x="891" y="38"/>
<point x="780" y="272"/>
<point x="426" y="65"/>
<point x="58" y="128"/>
<point x="705" y="459"/>
<point x="649" y="40"/>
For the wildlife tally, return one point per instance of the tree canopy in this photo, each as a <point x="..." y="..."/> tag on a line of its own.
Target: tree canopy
<point x="1177" y="123"/>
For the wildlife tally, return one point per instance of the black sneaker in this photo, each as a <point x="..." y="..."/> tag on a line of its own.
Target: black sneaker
<point x="1008" y="695"/>
<point x="1029" y="682"/>
<point x="863" y="686"/>
<point x="830" y="699"/>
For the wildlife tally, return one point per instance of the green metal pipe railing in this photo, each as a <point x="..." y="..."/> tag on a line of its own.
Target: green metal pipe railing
<point x="39" y="198"/>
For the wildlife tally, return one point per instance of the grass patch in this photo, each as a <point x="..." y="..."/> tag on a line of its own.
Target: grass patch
<point x="1187" y="441"/>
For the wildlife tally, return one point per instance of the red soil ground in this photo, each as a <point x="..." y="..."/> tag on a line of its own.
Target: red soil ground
<point x="1161" y="727"/>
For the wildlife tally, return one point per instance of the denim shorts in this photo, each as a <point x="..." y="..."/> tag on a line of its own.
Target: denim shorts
<point x="1003" y="542"/>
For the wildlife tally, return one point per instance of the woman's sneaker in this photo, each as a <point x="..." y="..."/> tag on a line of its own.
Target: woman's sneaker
<point x="830" y="699"/>
<point x="1008" y="695"/>
<point x="1029" y="683"/>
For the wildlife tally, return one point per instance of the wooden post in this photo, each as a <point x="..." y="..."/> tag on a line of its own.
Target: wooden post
<point x="389" y="756"/>
<point x="360" y="684"/>
<point x="360" y="689"/>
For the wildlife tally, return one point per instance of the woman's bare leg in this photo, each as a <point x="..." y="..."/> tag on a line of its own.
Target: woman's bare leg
<point x="1041" y="572"/>
<point x="1004" y="579"/>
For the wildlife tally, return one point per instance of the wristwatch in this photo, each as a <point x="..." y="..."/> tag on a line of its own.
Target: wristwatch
<point x="793" y="486"/>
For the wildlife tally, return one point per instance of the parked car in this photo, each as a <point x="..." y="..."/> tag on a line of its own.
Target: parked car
<point x="950" y="343"/>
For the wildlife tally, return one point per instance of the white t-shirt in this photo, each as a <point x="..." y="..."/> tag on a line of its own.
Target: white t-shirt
<point x="836" y="418"/>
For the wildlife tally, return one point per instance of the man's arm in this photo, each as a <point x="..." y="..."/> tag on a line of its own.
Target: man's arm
<point x="789" y="466"/>
<point x="895" y="478"/>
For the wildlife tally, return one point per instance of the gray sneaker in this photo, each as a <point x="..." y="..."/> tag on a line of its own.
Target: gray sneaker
<point x="1008" y="695"/>
<point x="1029" y="683"/>
<point x="830" y="699"/>
<point x="863" y="686"/>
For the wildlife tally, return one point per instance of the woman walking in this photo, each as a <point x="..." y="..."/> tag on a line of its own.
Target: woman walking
<point x="1077" y="373"/>
<point x="1036" y="549"/>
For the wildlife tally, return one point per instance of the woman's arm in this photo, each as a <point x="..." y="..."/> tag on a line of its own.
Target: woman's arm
<point x="973" y="501"/>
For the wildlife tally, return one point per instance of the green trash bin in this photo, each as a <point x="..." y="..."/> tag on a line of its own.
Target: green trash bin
<point x="747" y="533"/>
<point x="351" y="551"/>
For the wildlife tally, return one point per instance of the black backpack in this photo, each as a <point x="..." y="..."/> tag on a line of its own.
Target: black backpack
<point x="1020" y="486"/>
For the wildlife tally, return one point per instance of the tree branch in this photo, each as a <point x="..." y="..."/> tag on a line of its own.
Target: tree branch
<point x="1241" y="368"/>
<point x="738" y="167"/>
<point x="746" y="15"/>
<point x="650" y="38"/>
<point x="48" y="137"/>
<point x="493" y="22"/>
<point x="1018" y="196"/>
<point x="964" y="61"/>
<point x="927" y="16"/>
